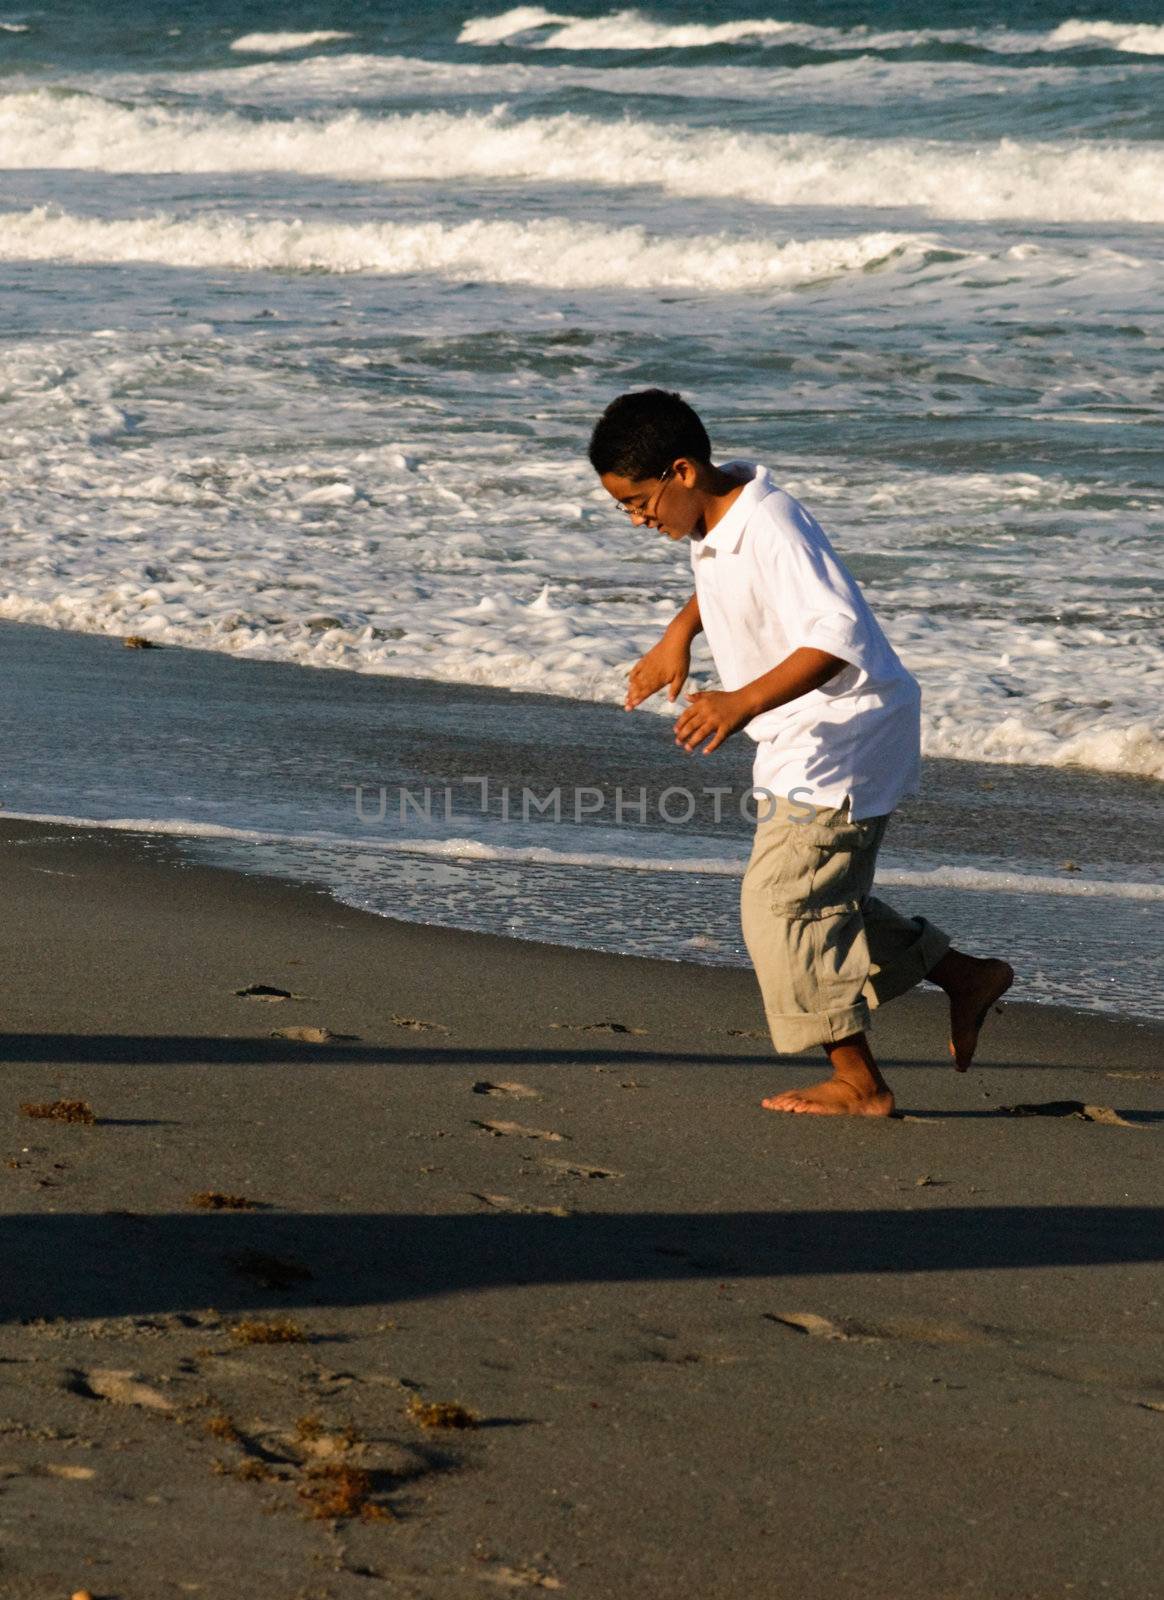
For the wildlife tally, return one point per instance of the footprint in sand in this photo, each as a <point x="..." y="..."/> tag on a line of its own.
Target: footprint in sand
<point x="818" y="1327"/>
<point x="122" y="1388"/>
<point x="578" y="1169"/>
<point x="216" y="1200"/>
<point x="595" y="1027"/>
<point x="505" y="1202"/>
<point x="518" y="1578"/>
<point x="915" y="1330"/>
<point x="266" y="991"/>
<point x="516" y="1130"/>
<point x="417" y="1024"/>
<point x="48" y="1469"/>
<point x="312" y="1035"/>
<point x="1068" y="1108"/>
<point x="507" y="1091"/>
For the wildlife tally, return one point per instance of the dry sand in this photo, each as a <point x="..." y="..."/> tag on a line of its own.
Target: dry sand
<point x="712" y="1352"/>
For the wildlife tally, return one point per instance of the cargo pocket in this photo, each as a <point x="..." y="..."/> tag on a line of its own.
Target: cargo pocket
<point x="846" y="863"/>
<point x="812" y="871"/>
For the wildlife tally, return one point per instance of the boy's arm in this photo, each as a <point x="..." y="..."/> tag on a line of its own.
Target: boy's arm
<point x="716" y="713"/>
<point x="669" y="661"/>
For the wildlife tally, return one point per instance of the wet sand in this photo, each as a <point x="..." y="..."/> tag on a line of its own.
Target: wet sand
<point x="711" y="1352"/>
<point x="195" y="738"/>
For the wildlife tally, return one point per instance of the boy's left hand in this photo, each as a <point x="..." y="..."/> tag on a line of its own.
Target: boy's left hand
<point x="711" y="712"/>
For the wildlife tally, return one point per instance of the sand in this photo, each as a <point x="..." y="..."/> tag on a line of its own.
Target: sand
<point x="709" y="1351"/>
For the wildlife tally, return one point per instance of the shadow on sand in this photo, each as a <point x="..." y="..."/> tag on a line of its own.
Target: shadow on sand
<point x="199" y="1049"/>
<point x="121" y="1263"/>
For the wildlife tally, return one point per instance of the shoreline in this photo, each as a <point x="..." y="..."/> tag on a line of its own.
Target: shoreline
<point x="170" y="850"/>
<point x="1050" y="774"/>
<point x="1059" y="865"/>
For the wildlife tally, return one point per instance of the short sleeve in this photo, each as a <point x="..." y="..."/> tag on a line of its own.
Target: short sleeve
<point x="818" y="605"/>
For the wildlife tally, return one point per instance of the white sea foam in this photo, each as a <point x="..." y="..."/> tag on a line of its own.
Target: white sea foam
<point x="466" y="558"/>
<point x="1059" y="182"/>
<point x="982" y="879"/>
<point x="537" y="28"/>
<point x="625" y="30"/>
<point x="275" y="43"/>
<point x="549" y="253"/>
<point x="631" y="858"/>
<point x="508" y="25"/>
<point x="1136" y="748"/>
<point x="540" y="29"/>
<point x="471" y="557"/>
<point x="1138" y="38"/>
<point x="994" y="881"/>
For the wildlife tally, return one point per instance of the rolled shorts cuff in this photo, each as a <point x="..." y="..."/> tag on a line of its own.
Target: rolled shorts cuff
<point x="910" y="967"/>
<point x="803" y="1029"/>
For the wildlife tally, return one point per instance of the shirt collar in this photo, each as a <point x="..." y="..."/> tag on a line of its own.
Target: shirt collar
<point x="729" y="530"/>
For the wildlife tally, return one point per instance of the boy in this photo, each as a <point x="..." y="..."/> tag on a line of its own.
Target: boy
<point x="810" y="676"/>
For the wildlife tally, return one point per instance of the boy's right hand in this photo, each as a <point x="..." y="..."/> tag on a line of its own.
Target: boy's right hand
<point x="666" y="665"/>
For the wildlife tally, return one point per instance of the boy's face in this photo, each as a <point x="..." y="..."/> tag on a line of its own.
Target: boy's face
<point x="666" y="502"/>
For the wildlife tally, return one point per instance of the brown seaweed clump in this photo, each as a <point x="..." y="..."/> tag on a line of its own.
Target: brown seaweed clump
<point x="220" y="1426"/>
<point x="335" y="1491"/>
<point x="441" y="1414"/>
<point x="60" y="1110"/>
<point x="215" y="1200"/>
<point x="279" y="1330"/>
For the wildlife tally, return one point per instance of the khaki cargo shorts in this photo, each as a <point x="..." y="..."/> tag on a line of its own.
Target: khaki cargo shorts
<point x="825" y="950"/>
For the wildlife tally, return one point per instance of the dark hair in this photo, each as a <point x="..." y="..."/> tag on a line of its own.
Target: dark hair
<point x="640" y="434"/>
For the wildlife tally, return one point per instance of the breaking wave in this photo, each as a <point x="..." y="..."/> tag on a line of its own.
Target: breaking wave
<point x="555" y="253"/>
<point x="535" y="27"/>
<point x="1079" y="181"/>
<point x="275" y="43"/>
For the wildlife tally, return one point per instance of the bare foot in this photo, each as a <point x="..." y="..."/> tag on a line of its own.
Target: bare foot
<point x="978" y="986"/>
<point x="833" y="1097"/>
<point x="856" y="1088"/>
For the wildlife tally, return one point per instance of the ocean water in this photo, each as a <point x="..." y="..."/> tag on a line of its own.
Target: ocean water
<point x="306" y="312"/>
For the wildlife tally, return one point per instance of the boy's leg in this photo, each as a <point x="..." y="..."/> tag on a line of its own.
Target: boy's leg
<point x="826" y="951"/>
<point x="904" y="951"/>
<point x="803" y="925"/>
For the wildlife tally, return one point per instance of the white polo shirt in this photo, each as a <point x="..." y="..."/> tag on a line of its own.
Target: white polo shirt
<point x="769" y="582"/>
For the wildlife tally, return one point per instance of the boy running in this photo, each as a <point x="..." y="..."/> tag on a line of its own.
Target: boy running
<point x="811" y="678"/>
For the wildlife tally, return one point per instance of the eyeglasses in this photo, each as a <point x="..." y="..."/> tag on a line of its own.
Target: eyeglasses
<point x="648" y="512"/>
